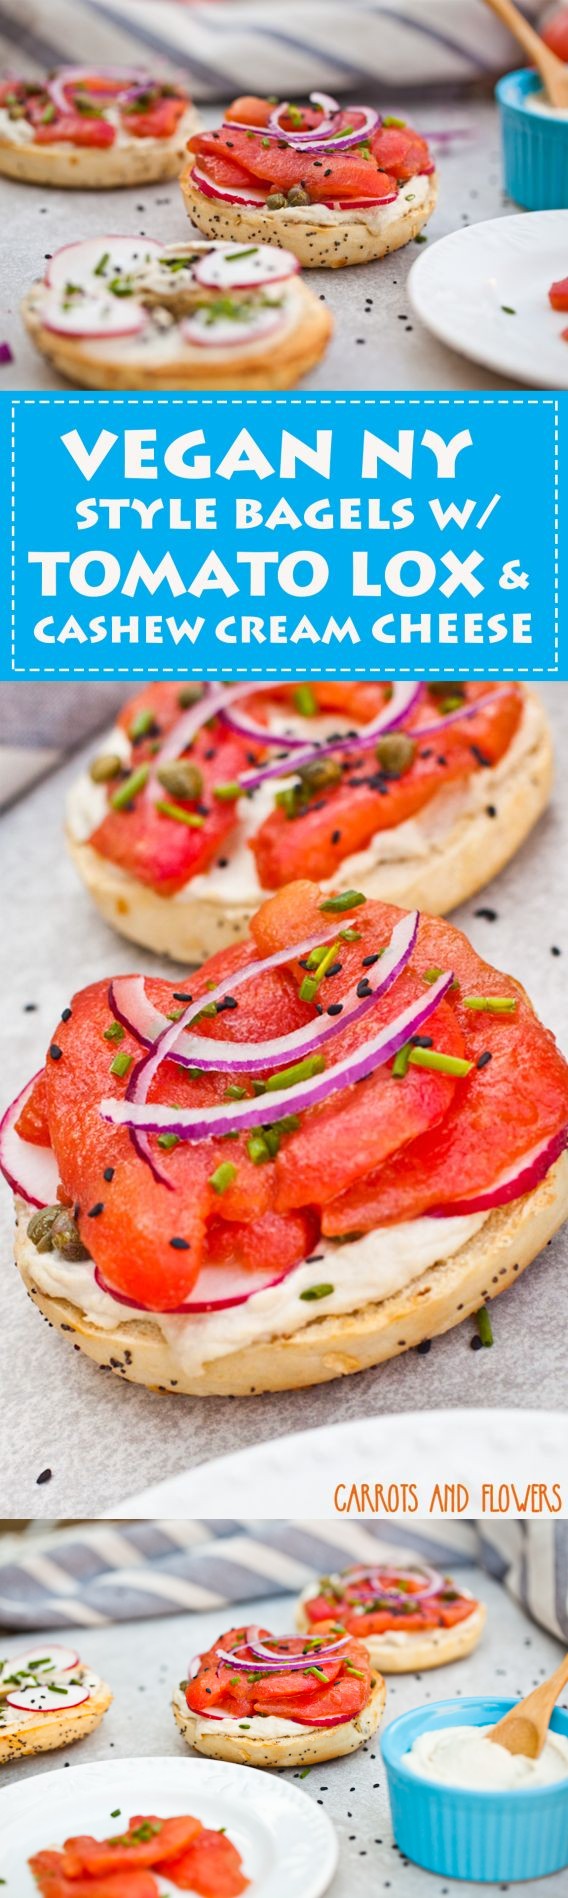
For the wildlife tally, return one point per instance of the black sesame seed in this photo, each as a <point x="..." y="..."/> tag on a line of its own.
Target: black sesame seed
<point x="66" y="1014"/>
<point x="180" y="1245"/>
<point x="108" y="1173"/>
<point x="364" y="986"/>
<point x="484" y="1059"/>
<point x="475" y="1344"/>
<point x="555" y="951"/>
<point x="55" y="1052"/>
<point x="95" y="1210"/>
<point x="424" y="1347"/>
<point x="367" y="962"/>
<point x="335" y="1008"/>
<point x="336" y="836"/>
<point x="30" y="1008"/>
<point x="227" y="1001"/>
<point x="180" y="996"/>
<point x="491" y="810"/>
<point x="489" y="915"/>
<point x="44" y="1476"/>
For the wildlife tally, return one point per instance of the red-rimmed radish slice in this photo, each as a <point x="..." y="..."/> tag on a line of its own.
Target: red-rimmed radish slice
<point x="211" y="190"/>
<point x="204" y="1123"/>
<point x="47" y="1657"/>
<point x="217" y="1288"/>
<point x="230" y="332"/>
<point x="46" y="1699"/>
<point x="95" y="316"/>
<point x="32" y="1172"/>
<point x="130" y="1005"/>
<point x="512" y="1185"/>
<point x="244" y="266"/>
<point x="81" y="262"/>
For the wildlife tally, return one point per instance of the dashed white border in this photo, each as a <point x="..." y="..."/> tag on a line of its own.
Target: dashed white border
<point x="273" y="402"/>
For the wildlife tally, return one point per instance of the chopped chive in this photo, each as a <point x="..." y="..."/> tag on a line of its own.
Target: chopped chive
<point x="167" y="1141"/>
<point x="141" y="725"/>
<point x="484" y="1326"/>
<point x="316" y="1291"/>
<point x="130" y="788"/>
<point x="304" y="1772"/>
<point x="310" y="984"/>
<point x="301" y="1071"/>
<point x="491" y="1004"/>
<point x="433" y="975"/>
<point x="99" y="271"/>
<point x="347" y="899"/>
<point x="441" y="1063"/>
<point x="233" y="256"/>
<point x="114" y="1032"/>
<point x="400" y="1063"/>
<point x="223" y="1177"/>
<point x="235" y="1093"/>
<point x="122" y="1062"/>
<point x="350" y="935"/>
<point x="228" y="793"/>
<point x="176" y="811"/>
<point x="305" y="701"/>
<point x="258" y="1149"/>
<point x="317" y="1672"/>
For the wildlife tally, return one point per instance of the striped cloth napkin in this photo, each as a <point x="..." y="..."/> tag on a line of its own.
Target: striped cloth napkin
<point x="41" y="723"/>
<point x="232" y="46"/>
<point x="96" y="1573"/>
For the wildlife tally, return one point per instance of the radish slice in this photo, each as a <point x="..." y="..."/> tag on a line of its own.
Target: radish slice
<point x="230" y="332"/>
<point x="48" y="1658"/>
<point x="252" y="1056"/>
<point x="233" y="196"/>
<point x="46" y="1699"/>
<point x="217" y="1288"/>
<point x="203" y="1123"/>
<point x="96" y="316"/>
<point x="244" y="267"/>
<point x="98" y="259"/>
<point x="519" y="1180"/>
<point x="32" y="1172"/>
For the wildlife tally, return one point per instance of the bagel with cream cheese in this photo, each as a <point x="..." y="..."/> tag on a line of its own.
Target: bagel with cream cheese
<point x="375" y="1189"/>
<point x="337" y="187"/>
<point x="94" y="129"/>
<point x="409" y="1617"/>
<point x="428" y="837"/>
<point x="333" y="1713"/>
<point x="48" y="1699"/>
<point x="123" y="313"/>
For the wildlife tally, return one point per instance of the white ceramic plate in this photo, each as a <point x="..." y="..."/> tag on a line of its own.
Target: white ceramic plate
<point x="287" y="1843"/>
<point x="463" y="288"/>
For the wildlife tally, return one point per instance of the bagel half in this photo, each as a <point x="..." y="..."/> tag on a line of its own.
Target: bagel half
<point x="356" y="237"/>
<point x="306" y="1748"/>
<point x="413" y="1653"/>
<point x="488" y="1264"/>
<point x="475" y="847"/>
<point x="46" y="1731"/>
<point x="269" y="364"/>
<point x="137" y="161"/>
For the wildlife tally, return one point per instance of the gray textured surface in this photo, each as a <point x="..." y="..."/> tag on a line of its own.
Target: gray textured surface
<point x="104" y="1440"/>
<point x="377" y="342"/>
<point x="142" y="1662"/>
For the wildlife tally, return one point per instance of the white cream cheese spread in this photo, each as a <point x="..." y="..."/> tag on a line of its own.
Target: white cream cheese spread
<point x="16" y="1717"/>
<point x="255" y="1727"/>
<point x="464" y="1756"/>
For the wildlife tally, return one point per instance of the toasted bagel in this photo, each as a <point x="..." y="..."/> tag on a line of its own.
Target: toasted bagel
<point x="412" y="1653"/>
<point x="304" y="1748"/>
<point x="137" y="1350"/>
<point x="353" y="237"/>
<point x="133" y="161"/>
<point x="44" y="1732"/>
<point x="475" y="847"/>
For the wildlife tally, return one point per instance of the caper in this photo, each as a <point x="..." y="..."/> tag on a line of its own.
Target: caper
<point x="298" y="195"/>
<point x="106" y="766"/>
<point x="189" y="695"/>
<point x="66" y="1238"/>
<point x="320" y="773"/>
<point x="276" y="201"/>
<point x="39" y="1228"/>
<point x="181" y="779"/>
<point x="395" y="753"/>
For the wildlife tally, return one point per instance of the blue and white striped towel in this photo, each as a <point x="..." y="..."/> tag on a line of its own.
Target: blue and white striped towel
<point x="96" y="1573"/>
<point x="232" y="46"/>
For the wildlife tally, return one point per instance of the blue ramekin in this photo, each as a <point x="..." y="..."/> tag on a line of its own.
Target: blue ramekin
<point x="535" y="146"/>
<point x="492" y="1837"/>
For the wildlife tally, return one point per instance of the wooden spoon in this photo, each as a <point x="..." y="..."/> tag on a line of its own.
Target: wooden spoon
<point x="524" y="1728"/>
<point x="553" y="71"/>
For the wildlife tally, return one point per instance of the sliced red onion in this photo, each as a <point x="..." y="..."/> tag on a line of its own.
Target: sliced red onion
<point x="194" y="1667"/>
<point x="182" y="734"/>
<point x="403" y="701"/>
<point x="467" y="710"/>
<point x="80" y="75"/>
<point x="520" y="1179"/>
<point x="326" y="1650"/>
<point x="217" y="1288"/>
<point x="204" y="1123"/>
<point x="431" y="1578"/>
<point x="252" y="1056"/>
<point x="31" y="1171"/>
<point x="322" y="137"/>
